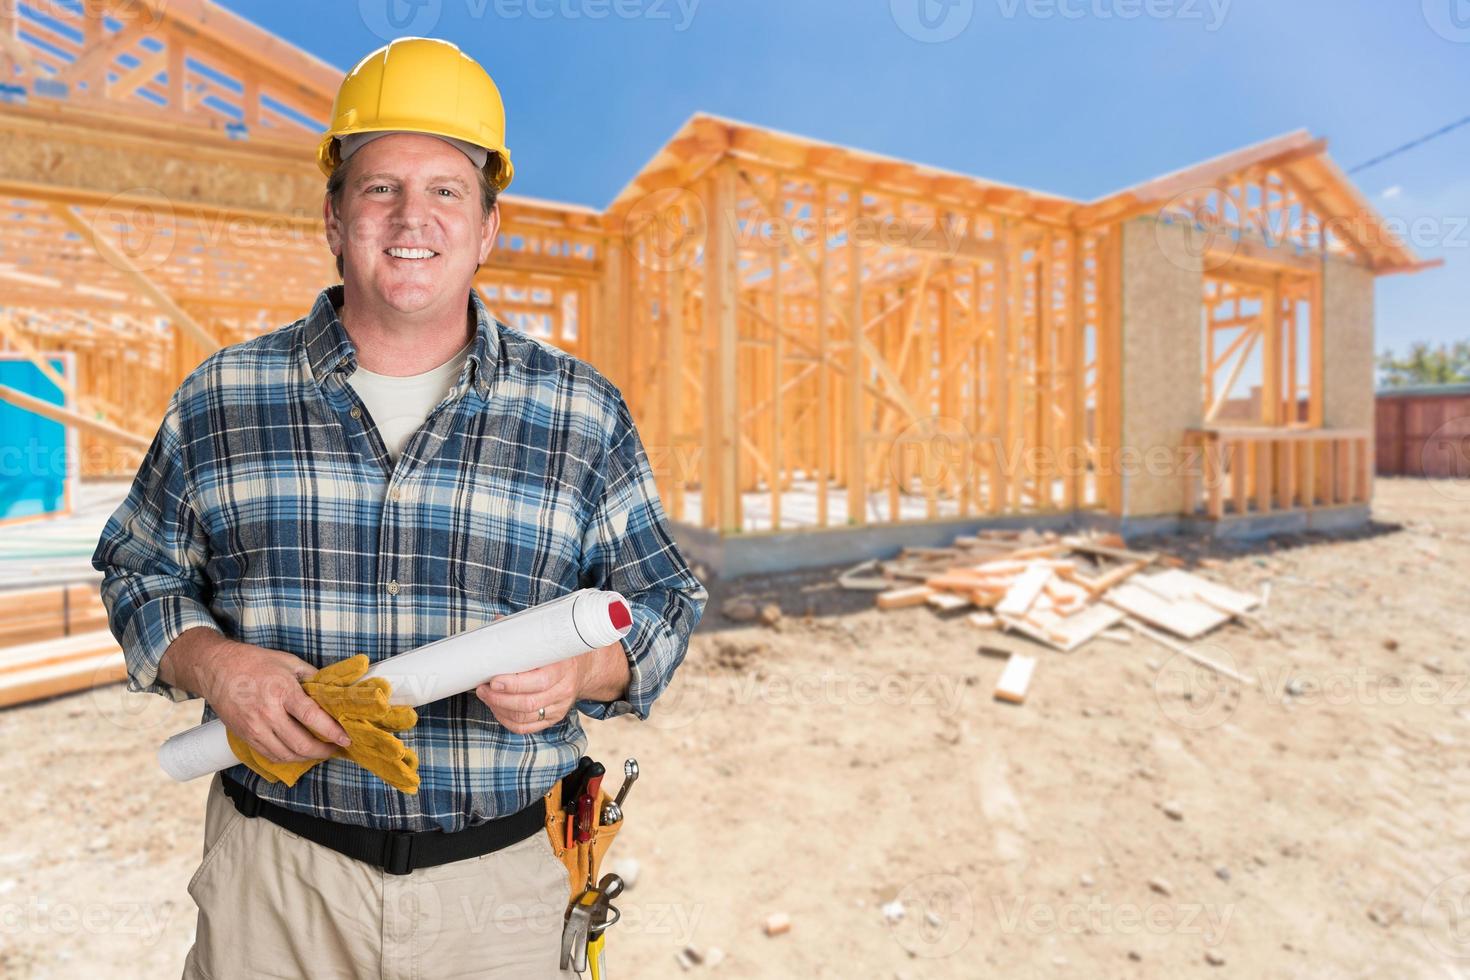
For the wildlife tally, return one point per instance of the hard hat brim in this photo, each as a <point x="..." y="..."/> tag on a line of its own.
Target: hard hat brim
<point x="498" y="168"/>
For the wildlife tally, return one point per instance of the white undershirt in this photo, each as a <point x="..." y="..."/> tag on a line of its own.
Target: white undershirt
<point x="399" y="405"/>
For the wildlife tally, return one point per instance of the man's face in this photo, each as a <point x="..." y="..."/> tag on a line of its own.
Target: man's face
<point x="410" y="229"/>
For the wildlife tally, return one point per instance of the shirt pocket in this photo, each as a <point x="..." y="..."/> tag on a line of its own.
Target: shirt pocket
<point x="514" y="545"/>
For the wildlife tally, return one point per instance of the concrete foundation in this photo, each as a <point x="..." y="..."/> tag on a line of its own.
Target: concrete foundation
<point x="772" y="553"/>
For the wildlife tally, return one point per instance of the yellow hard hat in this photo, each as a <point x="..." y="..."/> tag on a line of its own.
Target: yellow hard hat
<point x="420" y="85"/>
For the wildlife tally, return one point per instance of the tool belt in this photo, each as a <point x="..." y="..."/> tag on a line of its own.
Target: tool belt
<point x="397" y="852"/>
<point x="582" y="859"/>
<point x="582" y="820"/>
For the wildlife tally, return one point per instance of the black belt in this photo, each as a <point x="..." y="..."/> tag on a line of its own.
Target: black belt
<point x="398" y="852"/>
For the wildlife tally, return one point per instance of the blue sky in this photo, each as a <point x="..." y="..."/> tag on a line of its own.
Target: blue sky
<point x="1078" y="97"/>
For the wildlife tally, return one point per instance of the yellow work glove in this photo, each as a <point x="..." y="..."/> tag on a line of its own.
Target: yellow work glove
<point x="361" y="707"/>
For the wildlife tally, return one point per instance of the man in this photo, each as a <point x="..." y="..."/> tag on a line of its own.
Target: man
<point x="394" y="468"/>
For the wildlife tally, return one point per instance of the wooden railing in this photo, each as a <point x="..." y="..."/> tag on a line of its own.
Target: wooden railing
<point x="1240" y="471"/>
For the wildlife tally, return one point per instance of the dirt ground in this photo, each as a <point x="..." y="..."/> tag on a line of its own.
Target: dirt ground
<point x="1136" y="817"/>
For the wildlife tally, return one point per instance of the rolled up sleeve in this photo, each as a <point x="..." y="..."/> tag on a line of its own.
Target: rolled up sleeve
<point x="152" y="556"/>
<point x="627" y="548"/>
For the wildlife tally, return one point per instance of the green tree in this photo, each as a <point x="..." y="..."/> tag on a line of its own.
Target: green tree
<point x="1425" y="365"/>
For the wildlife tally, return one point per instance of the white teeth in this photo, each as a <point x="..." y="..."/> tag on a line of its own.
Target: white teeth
<point x="412" y="253"/>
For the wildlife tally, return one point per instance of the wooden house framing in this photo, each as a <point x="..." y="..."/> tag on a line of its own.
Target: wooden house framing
<point x="812" y="337"/>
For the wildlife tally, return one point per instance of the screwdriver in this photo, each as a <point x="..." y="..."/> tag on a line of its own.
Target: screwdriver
<point x="587" y="800"/>
<point x="571" y="790"/>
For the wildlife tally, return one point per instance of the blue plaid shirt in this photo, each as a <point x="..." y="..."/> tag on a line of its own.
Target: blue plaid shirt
<point x="268" y="508"/>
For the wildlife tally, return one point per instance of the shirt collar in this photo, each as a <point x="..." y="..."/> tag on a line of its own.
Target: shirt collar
<point x="329" y="349"/>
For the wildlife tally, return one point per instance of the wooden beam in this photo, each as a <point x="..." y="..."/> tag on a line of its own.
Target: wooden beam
<point x="68" y="417"/>
<point x="24" y="346"/>
<point x="1316" y="348"/>
<point x="1271" y="360"/>
<point x="98" y="57"/>
<point x="857" y="474"/>
<point x="999" y="380"/>
<point x="818" y="268"/>
<point x="140" y="75"/>
<point x="724" y="270"/>
<point x="895" y="386"/>
<point x="1222" y="250"/>
<point x="1222" y="394"/>
<point x="778" y="363"/>
<point x="125" y="265"/>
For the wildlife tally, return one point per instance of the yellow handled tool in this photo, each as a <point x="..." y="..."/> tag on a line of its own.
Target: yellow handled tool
<point x="584" y="934"/>
<point x="595" y="955"/>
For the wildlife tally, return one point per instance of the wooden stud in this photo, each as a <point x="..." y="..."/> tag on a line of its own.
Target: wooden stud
<point x="857" y="482"/>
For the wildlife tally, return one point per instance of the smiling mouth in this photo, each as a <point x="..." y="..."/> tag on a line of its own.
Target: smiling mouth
<point x="413" y="254"/>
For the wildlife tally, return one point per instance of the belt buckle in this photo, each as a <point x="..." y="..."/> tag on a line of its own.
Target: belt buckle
<point x="398" y="852"/>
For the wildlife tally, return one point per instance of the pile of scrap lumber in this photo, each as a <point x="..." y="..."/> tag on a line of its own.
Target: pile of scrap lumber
<point x="54" y="640"/>
<point x="1059" y="590"/>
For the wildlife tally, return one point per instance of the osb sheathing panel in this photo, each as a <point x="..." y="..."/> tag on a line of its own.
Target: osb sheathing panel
<point x="62" y="156"/>
<point x="1162" y="389"/>
<point x="1347" y="356"/>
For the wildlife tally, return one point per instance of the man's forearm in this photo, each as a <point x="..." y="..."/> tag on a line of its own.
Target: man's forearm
<point x="189" y="659"/>
<point x="607" y="674"/>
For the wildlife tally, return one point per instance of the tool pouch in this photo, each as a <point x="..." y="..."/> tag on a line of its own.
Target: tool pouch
<point x="582" y="859"/>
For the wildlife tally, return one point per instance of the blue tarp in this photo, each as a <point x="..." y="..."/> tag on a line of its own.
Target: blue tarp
<point x="33" y="455"/>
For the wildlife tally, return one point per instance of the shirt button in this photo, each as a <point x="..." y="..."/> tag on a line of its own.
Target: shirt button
<point x="393" y="587"/>
<point x="356" y="412"/>
<point x="396" y="493"/>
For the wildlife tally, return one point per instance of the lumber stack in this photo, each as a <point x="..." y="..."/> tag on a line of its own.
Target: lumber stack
<point x="1061" y="591"/>
<point x="33" y="671"/>
<point x="47" y="612"/>
<point x="54" y="640"/>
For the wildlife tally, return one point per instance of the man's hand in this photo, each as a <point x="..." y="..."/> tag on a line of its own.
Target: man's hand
<point x="600" y="674"/>
<point x="256" y="692"/>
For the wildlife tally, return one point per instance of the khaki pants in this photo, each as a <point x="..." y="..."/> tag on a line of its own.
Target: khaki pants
<point x="272" y="904"/>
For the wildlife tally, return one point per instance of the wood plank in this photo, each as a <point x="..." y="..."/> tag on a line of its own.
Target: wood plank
<point x="857" y="476"/>
<point x="1007" y="567"/>
<point x="903" y="598"/>
<point x="948" y="601"/>
<point x="1107" y="551"/>
<point x="1286" y="475"/>
<point x="1176" y="584"/>
<point x="1222" y="669"/>
<point x="1023" y="593"/>
<point x="958" y="581"/>
<point x="985" y="598"/>
<point x="1097" y="586"/>
<point x="1270" y="361"/>
<point x="1184" y="617"/>
<point x="66" y="416"/>
<point x="1067" y="633"/>
<point x="1308" y="452"/>
<point x="1365" y="471"/>
<point x="63" y="677"/>
<point x="1015" y="679"/>
<point x="1265" y="474"/>
<point x="1215" y="478"/>
<point x="23" y="656"/>
<point x="1064" y="591"/>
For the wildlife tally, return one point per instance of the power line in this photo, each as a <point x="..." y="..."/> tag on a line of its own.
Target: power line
<point x="1410" y="145"/>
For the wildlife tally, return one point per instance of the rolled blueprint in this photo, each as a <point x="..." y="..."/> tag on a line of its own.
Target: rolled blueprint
<point x="557" y="630"/>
